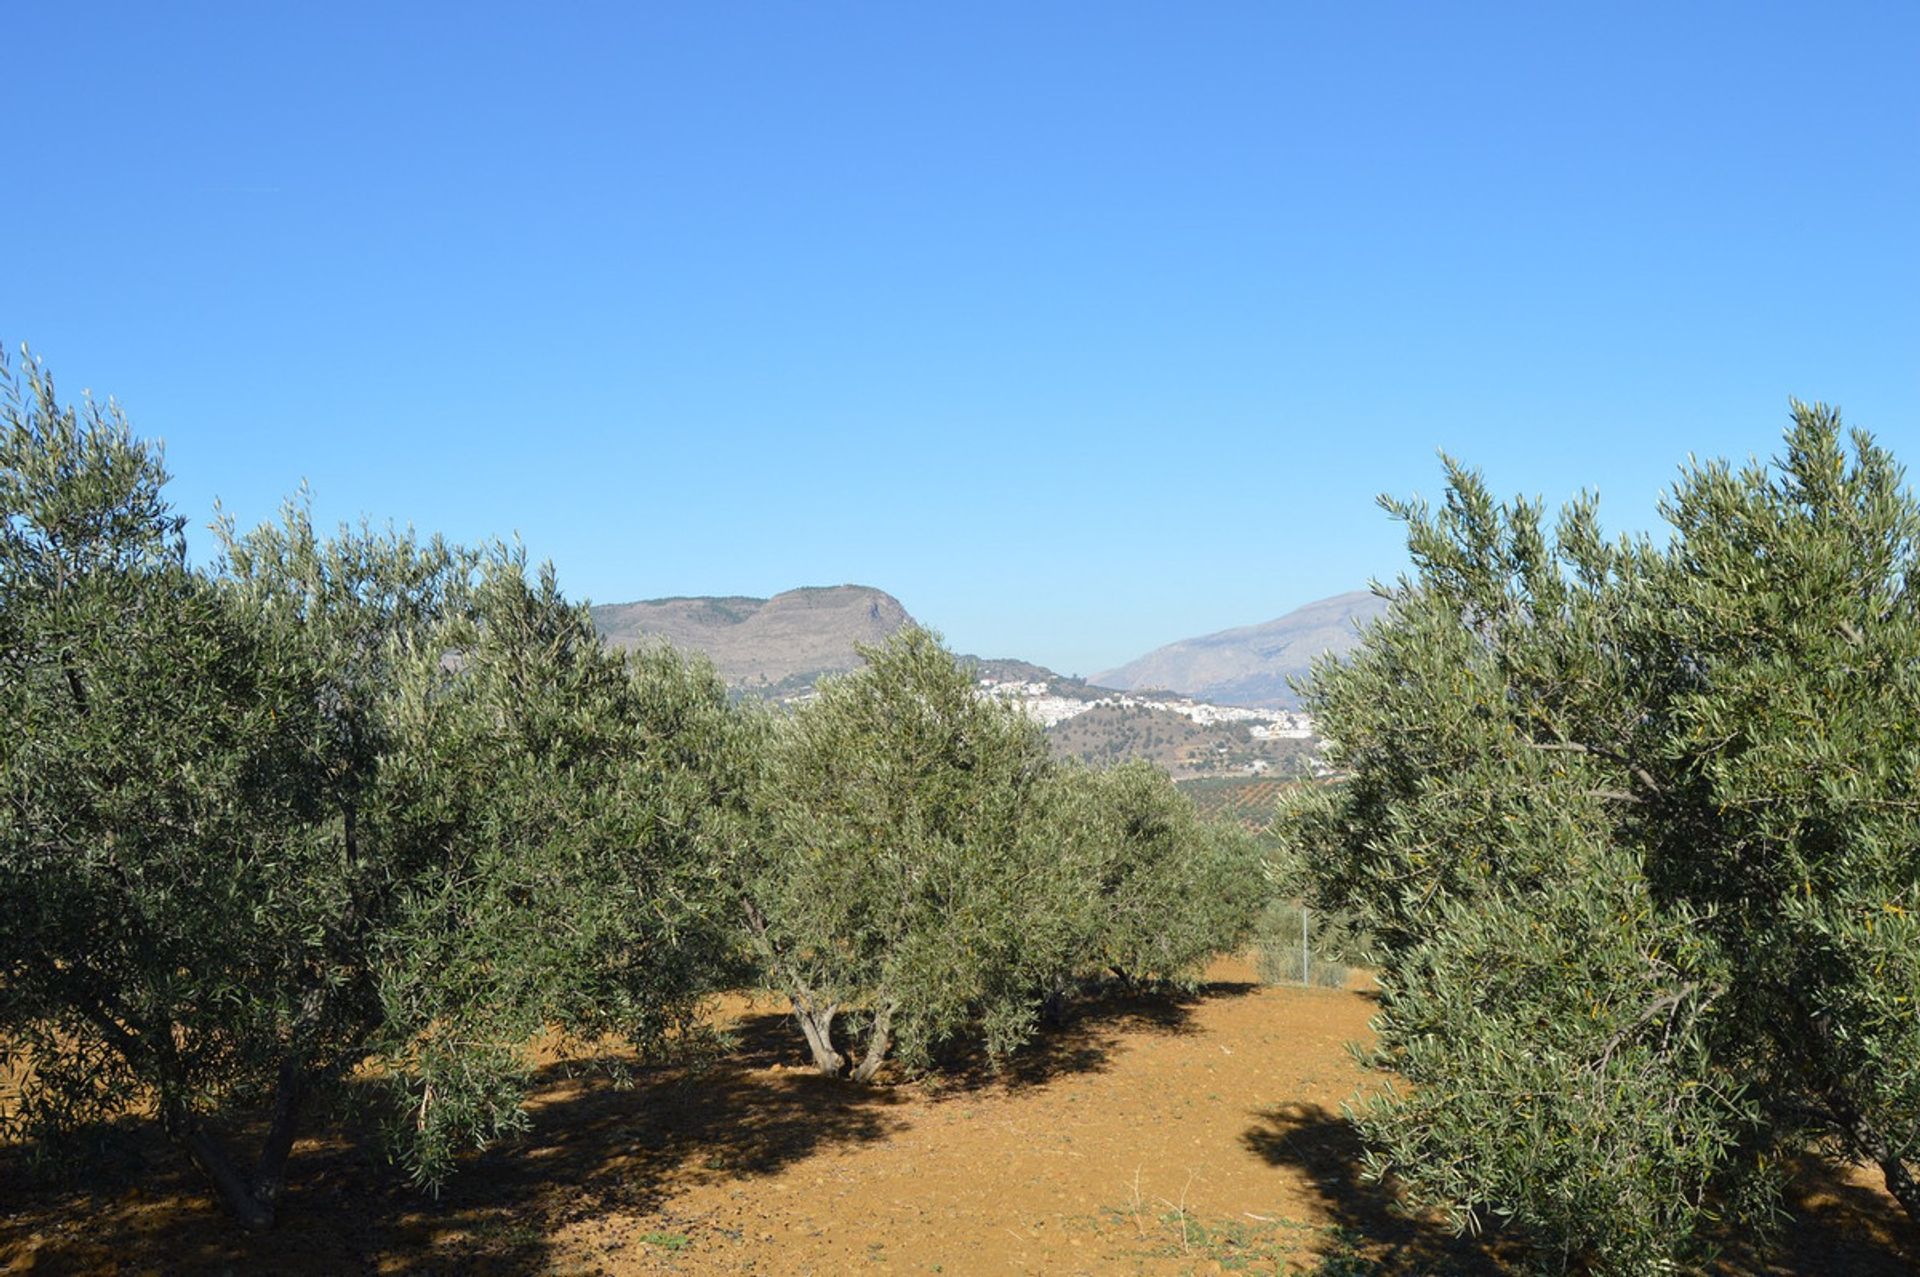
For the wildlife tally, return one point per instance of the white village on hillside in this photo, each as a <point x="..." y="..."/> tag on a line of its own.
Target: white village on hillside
<point x="1043" y="705"/>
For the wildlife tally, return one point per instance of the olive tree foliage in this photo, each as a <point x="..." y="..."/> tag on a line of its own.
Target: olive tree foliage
<point x="903" y="865"/>
<point x="152" y="768"/>
<point x="1635" y="827"/>
<point x="530" y="824"/>
<point x="1165" y="890"/>
<point x="926" y="873"/>
<point x="341" y="818"/>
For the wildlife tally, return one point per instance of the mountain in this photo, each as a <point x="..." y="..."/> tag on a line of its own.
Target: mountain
<point x="777" y="646"/>
<point x="1251" y="665"/>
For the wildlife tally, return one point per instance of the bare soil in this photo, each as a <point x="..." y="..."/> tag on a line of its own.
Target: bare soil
<point x="1148" y="1136"/>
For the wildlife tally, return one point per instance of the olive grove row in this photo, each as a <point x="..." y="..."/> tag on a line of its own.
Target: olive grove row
<point x="354" y="817"/>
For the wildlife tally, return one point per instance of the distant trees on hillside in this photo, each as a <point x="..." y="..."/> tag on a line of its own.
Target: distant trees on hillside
<point x="1635" y="825"/>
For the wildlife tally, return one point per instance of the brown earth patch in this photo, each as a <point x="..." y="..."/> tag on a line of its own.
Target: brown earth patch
<point x="1147" y="1136"/>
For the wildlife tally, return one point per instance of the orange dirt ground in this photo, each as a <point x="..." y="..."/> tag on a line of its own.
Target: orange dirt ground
<point x="1187" y="1136"/>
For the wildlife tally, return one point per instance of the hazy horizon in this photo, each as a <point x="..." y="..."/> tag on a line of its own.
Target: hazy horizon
<point x="1079" y="330"/>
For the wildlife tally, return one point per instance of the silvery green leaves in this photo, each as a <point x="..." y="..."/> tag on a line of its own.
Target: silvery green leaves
<point x="926" y="874"/>
<point x="346" y="816"/>
<point x="1633" y="824"/>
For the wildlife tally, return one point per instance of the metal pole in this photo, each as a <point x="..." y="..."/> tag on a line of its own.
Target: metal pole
<point x="1303" y="943"/>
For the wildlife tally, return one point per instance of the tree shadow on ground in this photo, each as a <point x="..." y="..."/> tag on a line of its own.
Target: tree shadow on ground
<point x="1367" y="1223"/>
<point x="1840" y="1221"/>
<point x="595" y="1151"/>
<point x="1085" y="1036"/>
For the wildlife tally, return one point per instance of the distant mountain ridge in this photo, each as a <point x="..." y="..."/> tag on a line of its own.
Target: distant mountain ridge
<point x="1250" y="665"/>
<point x="779" y="648"/>
<point x="775" y="646"/>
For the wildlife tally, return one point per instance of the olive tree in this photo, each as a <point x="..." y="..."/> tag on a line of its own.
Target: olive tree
<point x="1166" y="890"/>
<point x="340" y="817"/>
<point x="532" y="824"/>
<point x="1634" y="827"/>
<point x="925" y="871"/>
<point x="904" y="874"/>
<point x="156" y="785"/>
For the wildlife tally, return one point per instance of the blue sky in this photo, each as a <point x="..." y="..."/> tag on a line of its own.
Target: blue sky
<point x="1081" y="328"/>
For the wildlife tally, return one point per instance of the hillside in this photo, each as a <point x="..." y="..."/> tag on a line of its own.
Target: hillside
<point x="1251" y="801"/>
<point x="774" y="647"/>
<point x="1251" y="665"/>
<point x="1110" y="733"/>
<point x="778" y="648"/>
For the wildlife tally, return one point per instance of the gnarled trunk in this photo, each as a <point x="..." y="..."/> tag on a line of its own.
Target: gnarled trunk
<point x="878" y="1040"/>
<point x="814" y="1016"/>
<point x="270" y="1173"/>
<point x="230" y="1185"/>
<point x="816" y="1025"/>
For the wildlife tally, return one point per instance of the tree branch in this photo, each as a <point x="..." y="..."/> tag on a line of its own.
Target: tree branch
<point x="1634" y="769"/>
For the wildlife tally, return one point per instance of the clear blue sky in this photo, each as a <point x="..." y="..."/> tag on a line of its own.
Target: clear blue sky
<point x="1081" y="328"/>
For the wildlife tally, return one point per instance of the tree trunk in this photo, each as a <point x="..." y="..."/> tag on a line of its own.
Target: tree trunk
<point x="1900" y="1184"/>
<point x="816" y="1024"/>
<point x="229" y="1184"/>
<point x="1893" y="1168"/>
<point x="251" y="1200"/>
<point x="1864" y="1138"/>
<point x="270" y="1173"/>
<point x="1053" y="1007"/>
<point x="878" y="1041"/>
